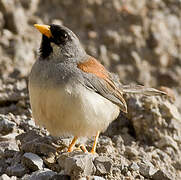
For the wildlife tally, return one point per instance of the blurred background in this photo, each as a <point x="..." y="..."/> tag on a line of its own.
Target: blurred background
<point x="140" y="41"/>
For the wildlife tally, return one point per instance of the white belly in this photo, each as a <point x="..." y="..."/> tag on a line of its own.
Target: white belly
<point x="71" y="110"/>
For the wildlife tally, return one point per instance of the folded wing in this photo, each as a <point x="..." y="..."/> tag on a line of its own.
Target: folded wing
<point x="98" y="79"/>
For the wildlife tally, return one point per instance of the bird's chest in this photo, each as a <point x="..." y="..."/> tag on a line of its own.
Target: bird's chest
<point x="69" y="109"/>
<point x="46" y="74"/>
<point x="49" y="103"/>
<point x="52" y="98"/>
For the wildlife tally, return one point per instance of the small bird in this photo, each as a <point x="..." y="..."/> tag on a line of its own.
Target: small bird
<point x="71" y="93"/>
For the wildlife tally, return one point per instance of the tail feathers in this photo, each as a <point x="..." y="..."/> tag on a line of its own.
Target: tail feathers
<point x="138" y="89"/>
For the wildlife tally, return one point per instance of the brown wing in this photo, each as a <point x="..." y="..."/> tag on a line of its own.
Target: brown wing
<point x="103" y="82"/>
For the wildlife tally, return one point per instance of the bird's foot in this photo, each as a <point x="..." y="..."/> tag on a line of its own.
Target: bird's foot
<point x="81" y="147"/>
<point x="92" y="152"/>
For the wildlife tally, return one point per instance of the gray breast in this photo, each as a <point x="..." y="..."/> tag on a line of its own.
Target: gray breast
<point x="45" y="73"/>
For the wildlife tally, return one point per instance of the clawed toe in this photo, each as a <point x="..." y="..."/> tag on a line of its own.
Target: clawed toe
<point x="83" y="148"/>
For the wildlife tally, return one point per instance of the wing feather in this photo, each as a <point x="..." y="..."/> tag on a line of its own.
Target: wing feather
<point x="98" y="79"/>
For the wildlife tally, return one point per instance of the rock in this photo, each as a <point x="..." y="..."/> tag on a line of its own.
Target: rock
<point x="105" y="149"/>
<point x="114" y="57"/>
<point x="10" y="95"/>
<point x="147" y="170"/>
<point x="28" y="136"/>
<point x="116" y="171"/>
<point x="160" y="174"/>
<point x="8" y="144"/>
<point x="16" y="170"/>
<point x="105" y="145"/>
<point x="124" y="170"/>
<point x="92" y="178"/>
<point x="167" y="141"/>
<point x="23" y="53"/>
<point x="113" y="37"/>
<point x="77" y="164"/>
<point x="139" y="41"/>
<point x="133" y="167"/>
<point x="104" y="141"/>
<point x="92" y="34"/>
<point x="9" y="153"/>
<point x="103" y="165"/>
<point x="35" y="143"/>
<point x="32" y="161"/>
<point x="5" y="177"/>
<point x="152" y="123"/>
<point x="118" y="140"/>
<point x="1" y="21"/>
<point x="177" y="165"/>
<point x="170" y="93"/>
<point x="131" y="152"/>
<point x="3" y="166"/>
<point x="60" y="177"/>
<point x="6" y="126"/>
<point x="51" y="162"/>
<point x="13" y="15"/>
<point x="38" y="148"/>
<point x="96" y="178"/>
<point x="43" y="174"/>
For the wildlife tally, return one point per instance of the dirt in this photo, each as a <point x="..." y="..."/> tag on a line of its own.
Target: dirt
<point x="138" y="41"/>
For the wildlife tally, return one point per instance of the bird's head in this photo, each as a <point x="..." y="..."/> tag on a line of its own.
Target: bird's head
<point x="59" y="43"/>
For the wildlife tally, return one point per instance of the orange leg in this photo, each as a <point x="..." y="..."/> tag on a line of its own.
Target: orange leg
<point x="93" y="150"/>
<point x="72" y="144"/>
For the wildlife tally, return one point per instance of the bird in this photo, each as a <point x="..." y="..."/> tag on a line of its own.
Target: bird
<point x="71" y="92"/>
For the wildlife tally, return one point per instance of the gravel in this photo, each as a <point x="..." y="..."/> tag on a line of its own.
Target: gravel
<point x="140" y="42"/>
<point x="6" y="126"/>
<point x="32" y="161"/>
<point x="77" y="164"/>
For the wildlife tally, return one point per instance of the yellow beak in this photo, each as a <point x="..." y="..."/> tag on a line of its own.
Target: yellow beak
<point x="44" y="29"/>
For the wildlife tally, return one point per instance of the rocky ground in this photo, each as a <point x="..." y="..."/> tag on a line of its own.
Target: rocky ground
<point x="140" y="41"/>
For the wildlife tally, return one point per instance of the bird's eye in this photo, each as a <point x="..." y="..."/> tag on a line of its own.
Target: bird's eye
<point x="64" y="35"/>
<point x="59" y="35"/>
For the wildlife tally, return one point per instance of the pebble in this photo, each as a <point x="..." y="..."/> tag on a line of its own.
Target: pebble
<point x="124" y="170"/>
<point x="97" y="178"/>
<point x="160" y="174"/>
<point x="118" y="140"/>
<point x="6" y="126"/>
<point x="92" y="178"/>
<point x="15" y="21"/>
<point x="9" y="153"/>
<point x="146" y="170"/>
<point x="177" y="165"/>
<point x="77" y="164"/>
<point x="16" y="170"/>
<point x="43" y="174"/>
<point x="6" y="177"/>
<point x="51" y="162"/>
<point x="131" y="152"/>
<point x="2" y="22"/>
<point x="3" y="166"/>
<point x="133" y="167"/>
<point x="8" y="144"/>
<point x="61" y="177"/>
<point x="103" y="165"/>
<point x="113" y="36"/>
<point x="32" y="161"/>
<point x="166" y="141"/>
